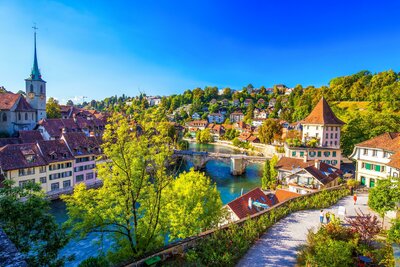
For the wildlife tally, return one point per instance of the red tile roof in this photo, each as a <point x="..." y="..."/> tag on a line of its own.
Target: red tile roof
<point x="8" y="100"/>
<point x="23" y="105"/>
<point x="386" y="141"/>
<point x="322" y="114"/>
<point x="13" y="157"/>
<point x="240" y="206"/>
<point x="55" y="151"/>
<point x="9" y="141"/>
<point x="283" y="195"/>
<point x="30" y="136"/>
<point x="288" y="164"/>
<point x="81" y="145"/>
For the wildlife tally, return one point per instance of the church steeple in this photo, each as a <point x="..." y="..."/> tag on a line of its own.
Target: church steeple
<point x="35" y="73"/>
<point x="35" y="87"/>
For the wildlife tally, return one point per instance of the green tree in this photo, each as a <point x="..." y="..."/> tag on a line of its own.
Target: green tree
<point x="29" y="224"/>
<point x="269" y="131"/>
<point x="70" y="103"/>
<point x="128" y="205"/>
<point x="193" y="205"/>
<point x="53" y="110"/>
<point x="266" y="178"/>
<point x="204" y="136"/>
<point x="384" y="196"/>
<point x="274" y="171"/>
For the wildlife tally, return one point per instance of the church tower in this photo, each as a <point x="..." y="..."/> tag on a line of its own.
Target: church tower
<point x="35" y="88"/>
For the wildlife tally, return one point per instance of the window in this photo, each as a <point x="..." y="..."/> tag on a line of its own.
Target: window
<point x="79" y="178"/>
<point x="327" y="154"/>
<point x="66" y="184"/>
<point x="382" y="168"/>
<point x="368" y="166"/>
<point x="43" y="180"/>
<point x="26" y="116"/>
<point x="377" y="168"/>
<point x="19" y="115"/>
<point x="334" y="154"/>
<point x="311" y="154"/>
<point x="385" y="154"/>
<point x="374" y="153"/>
<point x="41" y="89"/>
<point x="335" y="143"/>
<point x="319" y="153"/>
<point x="301" y="153"/>
<point x="363" y="165"/>
<point x="293" y="153"/>
<point x="55" y="186"/>
<point x="42" y="169"/>
<point x="316" y="128"/>
<point x="365" y="151"/>
<point x="334" y="162"/>
<point x="31" y="88"/>
<point x="89" y="176"/>
<point x="331" y="135"/>
<point x="335" y="135"/>
<point x="4" y="117"/>
<point x="326" y="135"/>
<point x="23" y="183"/>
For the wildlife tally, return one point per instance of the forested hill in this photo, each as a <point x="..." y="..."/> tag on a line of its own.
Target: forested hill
<point x="368" y="103"/>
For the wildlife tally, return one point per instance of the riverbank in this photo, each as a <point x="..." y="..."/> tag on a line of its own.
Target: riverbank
<point x="227" y="144"/>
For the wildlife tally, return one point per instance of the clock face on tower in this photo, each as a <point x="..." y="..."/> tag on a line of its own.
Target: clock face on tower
<point x="31" y="95"/>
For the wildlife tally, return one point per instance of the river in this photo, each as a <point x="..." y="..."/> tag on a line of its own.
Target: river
<point x="229" y="186"/>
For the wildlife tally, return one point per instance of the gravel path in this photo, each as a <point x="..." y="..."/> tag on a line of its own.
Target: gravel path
<point x="278" y="247"/>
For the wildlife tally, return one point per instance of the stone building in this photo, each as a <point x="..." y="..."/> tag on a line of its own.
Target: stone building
<point x="18" y="113"/>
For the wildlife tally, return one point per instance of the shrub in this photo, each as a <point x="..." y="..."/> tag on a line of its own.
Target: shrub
<point x="394" y="232"/>
<point x="352" y="183"/>
<point x="99" y="261"/>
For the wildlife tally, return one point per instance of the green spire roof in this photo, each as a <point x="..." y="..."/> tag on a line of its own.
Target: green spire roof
<point x="35" y="73"/>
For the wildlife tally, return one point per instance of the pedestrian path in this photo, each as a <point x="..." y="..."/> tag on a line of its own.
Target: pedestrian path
<point x="278" y="247"/>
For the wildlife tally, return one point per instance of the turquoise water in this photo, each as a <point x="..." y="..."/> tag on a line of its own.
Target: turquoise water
<point x="229" y="186"/>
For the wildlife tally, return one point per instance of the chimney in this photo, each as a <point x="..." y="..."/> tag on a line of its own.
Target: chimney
<point x="305" y="157"/>
<point x="317" y="164"/>
<point x="250" y="204"/>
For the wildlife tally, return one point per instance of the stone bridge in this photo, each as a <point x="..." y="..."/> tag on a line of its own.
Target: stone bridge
<point x="238" y="162"/>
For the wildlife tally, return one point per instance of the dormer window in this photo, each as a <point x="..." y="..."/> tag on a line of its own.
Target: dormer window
<point x="30" y="158"/>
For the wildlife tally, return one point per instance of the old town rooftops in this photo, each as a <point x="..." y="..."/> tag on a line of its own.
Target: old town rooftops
<point x="55" y="151"/>
<point x="13" y="157"/>
<point x="81" y="145"/>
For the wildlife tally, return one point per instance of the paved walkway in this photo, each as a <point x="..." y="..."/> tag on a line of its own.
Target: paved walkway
<point x="278" y="247"/>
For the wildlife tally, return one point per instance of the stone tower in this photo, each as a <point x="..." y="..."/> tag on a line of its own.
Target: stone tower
<point x="35" y="88"/>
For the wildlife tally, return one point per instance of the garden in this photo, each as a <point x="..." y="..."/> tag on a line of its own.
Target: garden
<point x="226" y="246"/>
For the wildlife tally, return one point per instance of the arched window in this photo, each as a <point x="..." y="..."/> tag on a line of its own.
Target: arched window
<point x="4" y="117"/>
<point x="41" y="89"/>
<point x="26" y="116"/>
<point x="31" y="88"/>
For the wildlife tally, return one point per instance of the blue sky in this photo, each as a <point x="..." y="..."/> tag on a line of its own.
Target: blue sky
<point x="103" y="48"/>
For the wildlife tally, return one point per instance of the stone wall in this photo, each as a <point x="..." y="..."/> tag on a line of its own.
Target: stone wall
<point x="9" y="255"/>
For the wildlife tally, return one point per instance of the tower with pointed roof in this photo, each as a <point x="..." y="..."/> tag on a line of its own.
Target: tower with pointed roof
<point x="320" y="137"/>
<point x="35" y="87"/>
<point x="322" y="125"/>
